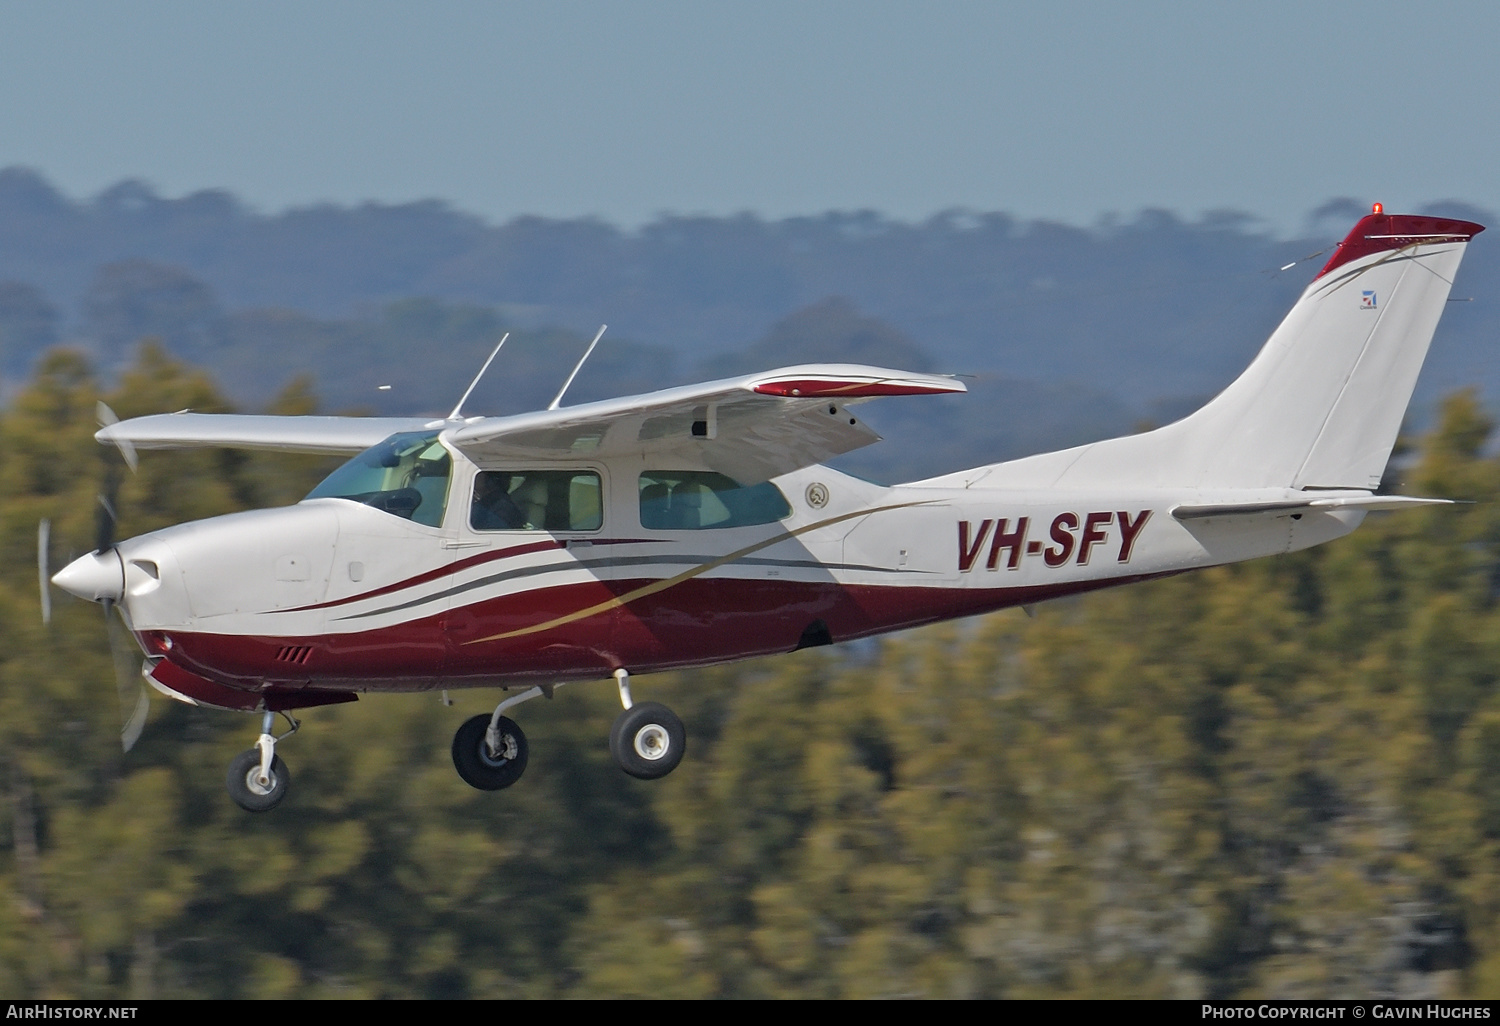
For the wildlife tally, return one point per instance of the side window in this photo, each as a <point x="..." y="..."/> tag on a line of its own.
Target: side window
<point x="700" y="500"/>
<point x="537" y="500"/>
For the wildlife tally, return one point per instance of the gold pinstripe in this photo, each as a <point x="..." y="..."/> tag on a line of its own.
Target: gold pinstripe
<point x="686" y="575"/>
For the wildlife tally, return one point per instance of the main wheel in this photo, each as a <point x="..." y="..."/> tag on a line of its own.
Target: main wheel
<point x="246" y="788"/>
<point x="479" y="768"/>
<point x="648" y="740"/>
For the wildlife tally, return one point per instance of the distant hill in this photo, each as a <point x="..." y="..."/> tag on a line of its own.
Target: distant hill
<point x="1071" y="332"/>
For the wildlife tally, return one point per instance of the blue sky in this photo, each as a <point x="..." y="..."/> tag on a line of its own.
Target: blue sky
<point x="625" y="110"/>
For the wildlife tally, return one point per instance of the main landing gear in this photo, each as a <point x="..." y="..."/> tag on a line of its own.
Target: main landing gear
<point x="647" y="740"/>
<point x="258" y="779"/>
<point x="489" y="751"/>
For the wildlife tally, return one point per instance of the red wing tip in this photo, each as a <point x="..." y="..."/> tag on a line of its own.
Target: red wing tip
<point x="1380" y="232"/>
<point x="832" y="388"/>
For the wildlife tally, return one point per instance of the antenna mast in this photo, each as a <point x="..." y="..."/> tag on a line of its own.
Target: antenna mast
<point x="553" y="405"/>
<point x="465" y="397"/>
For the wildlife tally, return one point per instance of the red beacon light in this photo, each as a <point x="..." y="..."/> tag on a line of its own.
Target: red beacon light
<point x="1377" y="209"/>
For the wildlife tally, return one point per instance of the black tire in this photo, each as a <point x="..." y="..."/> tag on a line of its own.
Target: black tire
<point x="648" y="741"/>
<point x="245" y="787"/>
<point x="473" y="761"/>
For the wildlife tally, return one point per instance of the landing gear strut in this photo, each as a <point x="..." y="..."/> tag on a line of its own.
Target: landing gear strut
<point x="258" y="779"/>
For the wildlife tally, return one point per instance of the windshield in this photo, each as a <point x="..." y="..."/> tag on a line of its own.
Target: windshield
<point x="406" y="475"/>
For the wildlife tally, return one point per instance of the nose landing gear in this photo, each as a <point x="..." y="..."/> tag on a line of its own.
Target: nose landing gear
<point x="258" y="779"/>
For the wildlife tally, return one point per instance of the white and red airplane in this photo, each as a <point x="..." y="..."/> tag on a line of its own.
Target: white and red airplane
<point x="695" y="525"/>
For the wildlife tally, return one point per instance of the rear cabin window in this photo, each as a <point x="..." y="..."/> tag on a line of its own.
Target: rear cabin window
<point x="701" y="500"/>
<point x="406" y="475"/>
<point x="536" y="500"/>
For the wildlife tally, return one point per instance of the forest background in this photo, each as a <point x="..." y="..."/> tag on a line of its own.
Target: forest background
<point x="1278" y="779"/>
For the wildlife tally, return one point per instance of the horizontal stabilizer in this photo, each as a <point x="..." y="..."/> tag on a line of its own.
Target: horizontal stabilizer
<point x="1283" y="507"/>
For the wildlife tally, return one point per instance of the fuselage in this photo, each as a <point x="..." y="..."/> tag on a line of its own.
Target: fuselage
<point x="338" y="596"/>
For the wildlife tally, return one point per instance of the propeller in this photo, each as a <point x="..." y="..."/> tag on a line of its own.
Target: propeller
<point x="107" y="419"/>
<point x="135" y="703"/>
<point x="94" y="576"/>
<point x="43" y="540"/>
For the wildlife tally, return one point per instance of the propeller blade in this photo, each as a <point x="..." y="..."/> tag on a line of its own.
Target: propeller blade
<point x="105" y="517"/>
<point x="107" y="418"/>
<point x="44" y="579"/>
<point x="130" y="733"/>
<point x="134" y="703"/>
<point x="104" y="524"/>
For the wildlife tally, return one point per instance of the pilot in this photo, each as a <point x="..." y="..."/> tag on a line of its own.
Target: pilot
<point x="493" y="508"/>
<point x="531" y="498"/>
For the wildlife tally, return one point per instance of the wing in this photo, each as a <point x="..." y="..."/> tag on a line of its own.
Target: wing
<point x="751" y="428"/>
<point x="235" y="431"/>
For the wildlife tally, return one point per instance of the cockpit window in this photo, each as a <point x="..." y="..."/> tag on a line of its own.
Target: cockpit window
<point x="700" y="500"/>
<point x="406" y="475"/>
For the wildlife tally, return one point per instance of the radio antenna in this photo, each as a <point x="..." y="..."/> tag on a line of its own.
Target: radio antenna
<point x="553" y="405"/>
<point x="465" y="397"/>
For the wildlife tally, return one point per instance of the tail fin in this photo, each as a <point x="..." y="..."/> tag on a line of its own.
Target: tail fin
<point x="1320" y="406"/>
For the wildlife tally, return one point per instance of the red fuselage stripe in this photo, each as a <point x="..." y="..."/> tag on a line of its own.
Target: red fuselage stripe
<point x="700" y="622"/>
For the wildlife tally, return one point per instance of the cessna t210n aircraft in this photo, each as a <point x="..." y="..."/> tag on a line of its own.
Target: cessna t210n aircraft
<point x="695" y="525"/>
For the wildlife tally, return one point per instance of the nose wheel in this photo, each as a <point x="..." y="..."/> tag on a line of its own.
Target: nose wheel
<point x="258" y="779"/>
<point x="254" y="791"/>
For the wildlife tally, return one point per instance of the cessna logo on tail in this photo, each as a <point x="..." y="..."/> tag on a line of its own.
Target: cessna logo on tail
<point x="1072" y="536"/>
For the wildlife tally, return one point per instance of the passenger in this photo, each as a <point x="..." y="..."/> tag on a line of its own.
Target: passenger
<point x="493" y="508"/>
<point x="531" y="499"/>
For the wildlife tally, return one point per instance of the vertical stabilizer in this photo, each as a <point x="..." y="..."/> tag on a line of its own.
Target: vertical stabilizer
<point x="1321" y="404"/>
<point x="1418" y="256"/>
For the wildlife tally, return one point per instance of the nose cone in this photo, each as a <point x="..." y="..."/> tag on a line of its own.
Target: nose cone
<point x="97" y="576"/>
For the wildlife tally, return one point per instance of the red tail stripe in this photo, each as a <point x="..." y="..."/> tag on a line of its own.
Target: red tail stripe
<point x="1379" y="233"/>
